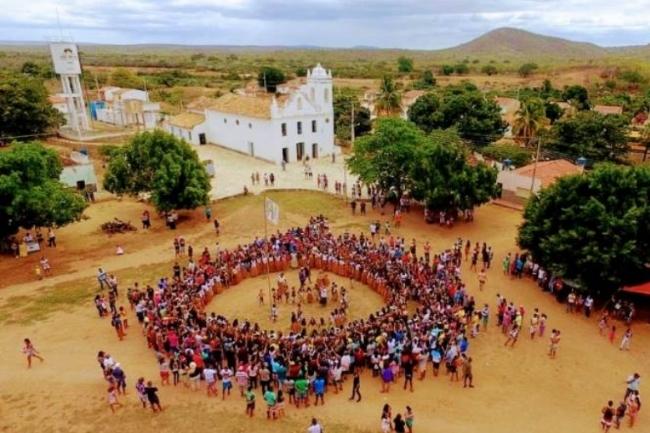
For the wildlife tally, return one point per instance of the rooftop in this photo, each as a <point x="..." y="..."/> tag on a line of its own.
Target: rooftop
<point x="609" y="109"/>
<point x="200" y="103"/>
<point x="548" y="171"/>
<point x="187" y="120"/>
<point x="246" y="105"/>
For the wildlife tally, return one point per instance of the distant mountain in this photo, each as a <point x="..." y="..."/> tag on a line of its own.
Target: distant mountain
<point x="511" y="42"/>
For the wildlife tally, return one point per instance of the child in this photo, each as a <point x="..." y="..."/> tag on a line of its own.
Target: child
<point x="625" y="341"/>
<point x="30" y="351"/>
<point x="226" y="382"/>
<point x="140" y="390"/>
<point x="112" y="398"/>
<point x="250" y="401"/>
<point x="612" y="334"/>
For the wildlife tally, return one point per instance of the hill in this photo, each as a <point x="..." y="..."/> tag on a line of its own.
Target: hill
<point x="509" y="42"/>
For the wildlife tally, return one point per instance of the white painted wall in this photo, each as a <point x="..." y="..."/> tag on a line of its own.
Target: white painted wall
<point x="311" y="102"/>
<point x="189" y="135"/>
<point x="517" y="183"/>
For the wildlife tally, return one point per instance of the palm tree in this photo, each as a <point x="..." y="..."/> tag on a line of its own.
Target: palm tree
<point x="389" y="100"/>
<point x="529" y="120"/>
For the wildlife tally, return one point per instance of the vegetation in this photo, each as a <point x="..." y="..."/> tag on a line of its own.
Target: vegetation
<point x="476" y="118"/>
<point x="427" y="81"/>
<point x="594" y="227"/>
<point x="404" y="64"/>
<point x="24" y="108"/>
<point x="529" y="120"/>
<point x="400" y="157"/>
<point x="527" y="69"/>
<point x="489" y="70"/>
<point x="30" y="191"/>
<point x="447" y="70"/>
<point x="591" y="135"/>
<point x="389" y="100"/>
<point x="577" y="96"/>
<point x="517" y="155"/>
<point x="163" y="165"/>
<point x="461" y="68"/>
<point x="122" y="77"/>
<point x="344" y="100"/>
<point x="270" y="77"/>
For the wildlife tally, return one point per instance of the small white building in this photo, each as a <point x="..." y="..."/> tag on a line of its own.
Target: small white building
<point x="60" y="104"/>
<point x="291" y="125"/>
<point x="127" y="107"/>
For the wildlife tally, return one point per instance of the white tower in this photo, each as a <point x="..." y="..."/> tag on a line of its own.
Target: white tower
<point x="319" y="81"/>
<point x="66" y="64"/>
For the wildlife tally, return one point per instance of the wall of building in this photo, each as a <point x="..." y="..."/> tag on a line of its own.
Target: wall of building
<point x="189" y="135"/>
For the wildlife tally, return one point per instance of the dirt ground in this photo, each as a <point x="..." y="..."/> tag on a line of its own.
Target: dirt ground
<point x="517" y="389"/>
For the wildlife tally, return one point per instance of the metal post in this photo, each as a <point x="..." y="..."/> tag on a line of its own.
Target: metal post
<point x="532" y="183"/>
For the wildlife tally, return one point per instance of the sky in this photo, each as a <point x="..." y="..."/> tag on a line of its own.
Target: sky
<point x="414" y="24"/>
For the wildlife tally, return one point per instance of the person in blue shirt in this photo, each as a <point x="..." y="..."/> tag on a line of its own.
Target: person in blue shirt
<point x="319" y="390"/>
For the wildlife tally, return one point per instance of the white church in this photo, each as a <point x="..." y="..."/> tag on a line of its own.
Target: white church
<point x="295" y="123"/>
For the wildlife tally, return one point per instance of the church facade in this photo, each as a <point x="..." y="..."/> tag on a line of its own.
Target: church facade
<point x="295" y="123"/>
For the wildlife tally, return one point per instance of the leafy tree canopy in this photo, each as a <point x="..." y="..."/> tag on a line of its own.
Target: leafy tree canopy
<point x="30" y="191"/>
<point x="24" y="108"/>
<point x="527" y="69"/>
<point x="404" y="64"/>
<point x="163" y="165"/>
<point x="577" y="96"/>
<point x="489" y="70"/>
<point x="591" y="135"/>
<point x="343" y="102"/>
<point x="461" y="68"/>
<point x="443" y="179"/>
<point x="400" y="157"/>
<point x="593" y="227"/>
<point x="477" y="118"/>
<point x="447" y="70"/>
<point x="427" y="81"/>
<point x="519" y="156"/>
<point x="553" y="111"/>
<point x="270" y="78"/>
<point x="122" y="77"/>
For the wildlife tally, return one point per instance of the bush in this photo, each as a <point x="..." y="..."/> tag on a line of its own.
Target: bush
<point x="527" y="69"/>
<point x="519" y="156"/>
<point x="447" y="70"/>
<point x="489" y="70"/>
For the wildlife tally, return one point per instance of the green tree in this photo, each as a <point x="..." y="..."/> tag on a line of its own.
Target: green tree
<point x="427" y="81"/>
<point x="270" y="78"/>
<point x="31" y="69"/>
<point x="527" y="69"/>
<point x="442" y="178"/>
<point x="163" y="165"/>
<point x="461" y="68"/>
<point x="577" y="96"/>
<point x="301" y="71"/>
<point x="343" y="103"/>
<point x="591" y="135"/>
<point x="425" y="112"/>
<point x="489" y="70"/>
<point x="389" y="100"/>
<point x="519" y="156"/>
<point x="447" y="70"/>
<point x="30" y="191"/>
<point x="24" y="108"/>
<point x="385" y="157"/>
<point x="464" y="107"/>
<point x="594" y="227"/>
<point x="122" y="77"/>
<point x="529" y="119"/>
<point x="553" y="111"/>
<point x="404" y="65"/>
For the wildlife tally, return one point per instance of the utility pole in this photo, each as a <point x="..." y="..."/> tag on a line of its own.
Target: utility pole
<point x="532" y="183"/>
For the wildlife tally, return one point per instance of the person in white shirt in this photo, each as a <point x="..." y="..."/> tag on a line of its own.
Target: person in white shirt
<point x="210" y="375"/>
<point x="315" y="427"/>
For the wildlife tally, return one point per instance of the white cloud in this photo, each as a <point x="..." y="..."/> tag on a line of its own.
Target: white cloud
<point x="388" y="23"/>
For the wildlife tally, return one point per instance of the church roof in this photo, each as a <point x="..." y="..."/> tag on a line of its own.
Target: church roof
<point x="245" y="105"/>
<point x="187" y="120"/>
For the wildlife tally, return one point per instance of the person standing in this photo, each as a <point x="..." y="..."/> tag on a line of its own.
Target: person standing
<point x="30" y="351"/>
<point x="555" y="343"/>
<point x="409" y="419"/>
<point x="626" y="340"/>
<point x="152" y="396"/>
<point x="633" y="383"/>
<point x="315" y="427"/>
<point x="468" y="376"/>
<point x="356" y="386"/>
<point x="102" y="278"/>
<point x="113" y="402"/>
<point x="51" y="238"/>
<point x="482" y="278"/>
<point x="608" y="416"/>
<point x="398" y="424"/>
<point x="250" y="401"/>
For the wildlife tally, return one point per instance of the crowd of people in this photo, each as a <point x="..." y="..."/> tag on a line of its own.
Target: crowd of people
<point x="297" y="367"/>
<point x="629" y="406"/>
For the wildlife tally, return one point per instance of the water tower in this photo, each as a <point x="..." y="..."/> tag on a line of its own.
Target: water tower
<point x="65" y="57"/>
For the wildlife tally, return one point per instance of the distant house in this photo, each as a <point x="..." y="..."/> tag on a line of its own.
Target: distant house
<point x="517" y="184"/>
<point x="81" y="177"/>
<point x="294" y="124"/>
<point x="368" y="102"/>
<point x="509" y="108"/>
<point x="608" y="109"/>
<point x="126" y="107"/>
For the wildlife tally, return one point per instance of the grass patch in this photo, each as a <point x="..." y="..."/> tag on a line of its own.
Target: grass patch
<point x="25" y="310"/>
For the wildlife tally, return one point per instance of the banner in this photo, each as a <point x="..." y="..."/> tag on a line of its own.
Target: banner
<point x="272" y="211"/>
